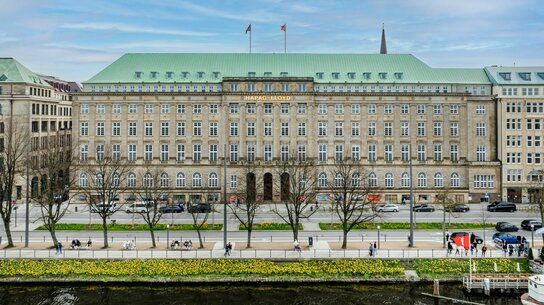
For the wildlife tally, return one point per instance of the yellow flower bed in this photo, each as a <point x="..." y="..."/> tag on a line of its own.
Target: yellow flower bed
<point x="458" y="266"/>
<point x="181" y="268"/>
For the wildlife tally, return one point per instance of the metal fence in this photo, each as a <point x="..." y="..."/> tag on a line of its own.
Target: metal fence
<point x="243" y="254"/>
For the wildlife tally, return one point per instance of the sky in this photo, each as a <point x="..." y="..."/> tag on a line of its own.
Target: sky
<point x="74" y="40"/>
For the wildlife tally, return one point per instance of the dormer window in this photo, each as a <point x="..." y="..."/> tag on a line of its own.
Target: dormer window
<point x="154" y="74"/>
<point x="525" y="75"/>
<point x="250" y="74"/>
<point x="366" y="75"/>
<point x="215" y="74"/>
<point x="398" y="75"/>
<point x="505" y="75"/>
<point x="335" y="75"/>
<point x="382" y="75"/>
<point x="267" y="74"/>
<point x="138" y="74"/>
<point x="184" y="74"/>
<point x="351" y="75"/>
<point x="169" y="75"/>
<point x="319" y="75"/>
<point x="540" y="74"/>
<point x="283" y="74"/>
<point x="200" y="74"/>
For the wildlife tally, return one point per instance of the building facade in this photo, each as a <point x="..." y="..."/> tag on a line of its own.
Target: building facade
<point x="177" y="112"/>
<point x="520" y="107"/>
<point x="32" y="108"/>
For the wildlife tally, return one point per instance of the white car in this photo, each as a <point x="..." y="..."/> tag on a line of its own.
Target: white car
<point x="137" y="207"/>
<point x="389" y="207"/>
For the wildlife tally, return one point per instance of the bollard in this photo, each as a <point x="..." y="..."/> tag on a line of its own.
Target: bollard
<point x="76" y="209"/>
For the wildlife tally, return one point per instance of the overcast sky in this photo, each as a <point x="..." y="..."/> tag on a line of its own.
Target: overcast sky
<point x="76" y="39"/>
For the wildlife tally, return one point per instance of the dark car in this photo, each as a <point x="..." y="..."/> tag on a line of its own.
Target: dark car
<point x="503" y="226"/>
<point x="461" y="207"/>
<point x="199" y="208"/>
<point x="423" y="208"/>
<point x="501" y="207"/>
<point x="178" y="208"/>
<point x="501" y="238"/>
<point x="531" y="224"/>
<point x="473" y="237"/>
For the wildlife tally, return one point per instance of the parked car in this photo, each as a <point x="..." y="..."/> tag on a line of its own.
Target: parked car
<point x="388" y="207"/>
<point x="103" y="207"/>
<point x="473" y="237"/>
<point x="199" y="208"/>
<point x="461" y="207"/>
<point x="503" y="226"/>
<point x="423" y="208"/>
<point x="501" y="238"/>
<point x="526" y="224"/>
<point x="138" y="207"/>
<point x="178" y="208"/>
<point x="501" y="207"/>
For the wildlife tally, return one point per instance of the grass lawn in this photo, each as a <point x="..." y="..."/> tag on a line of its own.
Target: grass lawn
<point x="406" y="226"/>
<point x="271" y="226"/>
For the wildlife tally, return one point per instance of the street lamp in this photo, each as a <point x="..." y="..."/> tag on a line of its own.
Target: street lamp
<point x="15" y="209"/>
<point x="378" y="227"/>
<point x="167" y="236"/>
<point x="532" y="235"/>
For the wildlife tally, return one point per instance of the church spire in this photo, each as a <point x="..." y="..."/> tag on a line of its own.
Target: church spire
<point x="383" y="47"/>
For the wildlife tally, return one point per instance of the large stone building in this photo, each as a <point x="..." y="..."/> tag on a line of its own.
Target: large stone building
<point x="37" y="111"/>
<point x="178" y="111"/>
<point x="520" y="118"/>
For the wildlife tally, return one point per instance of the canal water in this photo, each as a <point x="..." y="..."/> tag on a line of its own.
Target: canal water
<point x="189" y="294"/>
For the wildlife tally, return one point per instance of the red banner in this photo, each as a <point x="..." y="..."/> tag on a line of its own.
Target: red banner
<point x="462" y="241"/>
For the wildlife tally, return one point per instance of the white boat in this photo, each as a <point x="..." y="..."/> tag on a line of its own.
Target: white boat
<point x="535" y="296"/>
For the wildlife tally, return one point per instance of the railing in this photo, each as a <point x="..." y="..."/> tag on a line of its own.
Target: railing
<point x="219" y="253"/>
<point x="495" y="281"/>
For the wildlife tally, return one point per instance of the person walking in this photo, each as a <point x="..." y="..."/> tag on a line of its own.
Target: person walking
<point x="450" y="247"/>
<point x="484" y="249"/>
<point x="370" y="250"/>
<point x="447" y="236"/>
<point x="59" y="248"/>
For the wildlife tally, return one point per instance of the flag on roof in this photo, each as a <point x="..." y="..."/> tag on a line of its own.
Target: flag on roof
<point x="284" y="27"/>
<point x="248" y="28"/>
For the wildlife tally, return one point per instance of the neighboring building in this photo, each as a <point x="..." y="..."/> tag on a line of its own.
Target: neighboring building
<point x="520" y="119"/>
<point x="34" y="105"/>
<point x="177" y="111"/>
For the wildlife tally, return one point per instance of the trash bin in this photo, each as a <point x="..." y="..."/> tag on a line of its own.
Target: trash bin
<point x="310" y="241"/>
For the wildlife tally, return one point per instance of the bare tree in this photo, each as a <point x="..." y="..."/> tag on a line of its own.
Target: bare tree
<point x="297" y="183"/>
<point x="104" y="179"/>
<point x="153" y="195"/>
<point x="14" y="148"/>
<point x="248" y="187"/>
<point x="536" y="195"/>
<point x="200" y="218"/>
<point x="351" y="190"/>
<point x="445" y="203"/>
<point x="54" y="172"/>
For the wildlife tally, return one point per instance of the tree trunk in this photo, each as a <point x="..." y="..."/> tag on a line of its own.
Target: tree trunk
<point x="295" y="230"/>
<point x="199" y="238"/>
<point x="248" y="238"/>
<point x="8" y="233"/>
<point x="345" y="239"/>
<point x="152" y="232"/>
<point x="105" y="231"/>
<point x="444" y="229"/>
<point x="53" y="232"/>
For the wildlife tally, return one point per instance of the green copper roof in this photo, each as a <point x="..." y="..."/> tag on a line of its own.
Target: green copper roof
<point x="12" y="71"/>
<point x="324" y="68"/>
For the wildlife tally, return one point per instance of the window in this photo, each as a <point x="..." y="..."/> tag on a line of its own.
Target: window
<point x="301" y="87"/>
<point x="148" y="129"/>
<point x="421" y="180"/>
<point x="116" y="152"/>
<point x="301" y="129"/>
<point x="213" y="152"/>
<point x="84" y="108"/>
<point x="438" y="180"/>
<point x="180" y="129"/>
<point x="454" y="152"/>
<point x="233" y="152"/>
<point x="197" y="129"/>
<point x="180" y="108"/>
<point x="437" y="109"/>
<point x="322" y="180"/>
<point x="214" y="127"/>
<point x="116" y="129"/>
<point x="100" y="128"/>
<point x="197" y="108"/>
<point x="164" y="152"/>
<point x="100" y="152"/>
<point x="268" y="108"/>
<point x="339" y="180"/>
<point x="285" y="87"/>
<point x="100" y="108"/>
<point x="268" y="129"/>
<point x="148" y="108"/>
<point x="404" y="109"/>
<point x="480" y="109"/>
<point x="355" y="129"/>
<point x="405" y="180"/>
<point x="284" y="129"/>
<point x="355" y="153"/>
<point x="148" y="152"/>
<point x="251" y="152"/>
<point x="302" y="152"/>
<point x="371" y="108"/>
<point x="83" y="180"/>
<point x="284" y="108"/>
<point x="339" y="152"/>
<point x="421" y="152"/>
<point x="233" y="182"/>
<point x="213" y="108"/>
<point x="250" y="108"/>
<point x="233" y="87"/>
<point x="268" y="87"/>
<point x="388" y="109"/>
<point x="268" y="152"/>
<point x="165" y="108"/>
<point x="132" y="152"/>
<point x="339" y="129"/>
<point x="250" y="87"/>
<point x="372" y="180"/>
<point x="250" y="129"/>
<point x="388" y="129"/>
<point x="164" y="181"/>
<point x="84" y="128"/>
<point x="180" y="180"/>
<point x="371" y="129"/>
<point x="454" y="109"/>
<point x="480" y="153"/>
<point x="301" y="108"/>
<point x="322" y="109"/>
<point x="484" y="181"/>
<point x="180" y="152"/>
<point x="420" y="129"/>
<point x="213" y="181"/>
<point x="197" y="152"/>
<point x="355" y="108"/>
<point x="233" y="108"/>
<point x="388" y="149"/>
<point x="322" y="152"/>
<point x="84" y="152"/>
<point x="454" y="129"/>
<point x="420" y="109"/>
<point x="437" y="129"/>
<point x="131" y="179"/>
<point x="165" y="129"/>
<point x="389" y="182"/>
<point x="454" y="180"/>
<point x="372" y="152"/>
<point x="480" y="129"/>
<point x="197" y="180"/>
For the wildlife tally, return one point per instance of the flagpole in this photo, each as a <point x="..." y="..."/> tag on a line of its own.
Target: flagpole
<point x="285" y="41"/>
<point x="250" y="41"/>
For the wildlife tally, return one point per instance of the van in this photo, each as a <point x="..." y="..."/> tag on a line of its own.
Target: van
<point x="137" y="207"/>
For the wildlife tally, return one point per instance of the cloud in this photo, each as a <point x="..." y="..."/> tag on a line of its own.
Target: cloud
<point x="263" y="16"/>
<point x="127" y="28"/>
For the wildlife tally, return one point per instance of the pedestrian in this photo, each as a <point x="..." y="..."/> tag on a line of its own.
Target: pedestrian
<point x="375" y="247"/>
<point x="370" y="250"/>
<point x="510" y="250"/>
<point x="519" y="249"/>
<point x="457" y="250"/>
<point x="228" y="247"/>
<point x="471" y="249"/>
<point x="447" y="236"/>
<point x="450" y="247"/>
<point x="505" y="248"/>
<point x="484" y="249"/>
<point x="59" y="248"/>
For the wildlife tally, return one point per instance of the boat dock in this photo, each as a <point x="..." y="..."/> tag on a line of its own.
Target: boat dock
<point x="496" y="283"/>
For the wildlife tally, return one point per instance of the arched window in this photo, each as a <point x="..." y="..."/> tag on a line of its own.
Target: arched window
<point x="99" y="180"/>
<point x="355" y="180"/>
<point x="180" y="180"/>
<point x="405" y="180"/>
<point x="339" y="180"/>
<point x="454" y="180"/>
<point x="197" y="180"/>
<point x="212" y="180"/>
<point x="164" y="180"/>
<point x="131" y="179"/>
<point x="438" y="180"/>
<point x="115" y="180"/>
<point x="83" y="181"/>
<point x="372" y="180"/>
<point x="389" y="182"/>
<point x="322" y="180"/>
<point x="421" y="180"/>
<point x="148" y="180"/>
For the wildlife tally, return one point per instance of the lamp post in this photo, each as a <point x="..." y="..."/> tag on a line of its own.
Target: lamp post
<point x="15" y="209"/>
<point x="378" y="227"/>
<point x="411" y="236"/>
<point x="167" y="236"/>
<point x="532" y="235"/>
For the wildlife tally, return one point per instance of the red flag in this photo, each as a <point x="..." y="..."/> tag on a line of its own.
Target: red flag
<point x="284" y="27"/>
<point x="462" y="241"/>
<point x="248" y="28"/>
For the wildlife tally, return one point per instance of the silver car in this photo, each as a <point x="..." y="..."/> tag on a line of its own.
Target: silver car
<point x="389" y="207"/>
